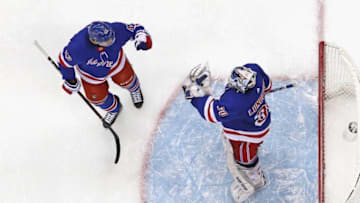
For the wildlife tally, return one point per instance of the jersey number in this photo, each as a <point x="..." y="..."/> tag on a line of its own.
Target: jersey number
<point x="261" y="115"/>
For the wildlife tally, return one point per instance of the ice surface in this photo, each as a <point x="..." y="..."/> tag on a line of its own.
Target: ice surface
<point x="341" y="156"/>
<point x="52" y="149"/>
<point x="188" y="162"/>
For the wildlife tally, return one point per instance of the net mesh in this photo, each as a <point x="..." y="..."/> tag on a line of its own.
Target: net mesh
<point x="341" y="77"/>
<point x="340" y="94"/>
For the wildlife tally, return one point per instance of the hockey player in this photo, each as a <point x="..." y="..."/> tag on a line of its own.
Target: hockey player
<point x="245" y="117"/>
<point x="97" y="55"/>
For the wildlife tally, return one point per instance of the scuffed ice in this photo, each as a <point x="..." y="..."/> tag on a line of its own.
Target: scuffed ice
<point x="188" y="162"/>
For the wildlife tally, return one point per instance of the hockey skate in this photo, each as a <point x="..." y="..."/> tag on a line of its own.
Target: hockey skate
<point x="110" y="117"/>
<point x="137" y="98"/>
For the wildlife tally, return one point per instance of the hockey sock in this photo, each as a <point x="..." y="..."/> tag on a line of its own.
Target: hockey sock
<point x="110" y="104"/>
<point x="134" y="85"/>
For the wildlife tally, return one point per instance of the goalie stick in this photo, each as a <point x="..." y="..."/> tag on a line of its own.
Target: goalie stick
<point x="271" y="91"/>
<point x="116" y="137"/>
<point x="282" y="87"/>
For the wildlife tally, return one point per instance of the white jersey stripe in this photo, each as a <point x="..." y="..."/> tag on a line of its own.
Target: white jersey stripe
<point x="248" y="151"/>
<point x="212" y="113"/>
<point x="209" y="110"/>
<point x="95" y="80"/>
<point x="268" y="88"/>
<point x="206" y="108"/>
<point x="248" y="133"/>
<point x="121" y="65"/>
<point x="245" y="136"/>
<point x="63" y="60"/>
<point x="88" y="78"/>
<point x="241" y="152"/>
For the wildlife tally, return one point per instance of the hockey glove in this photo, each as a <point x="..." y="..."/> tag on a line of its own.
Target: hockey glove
<point x="198" y="84"/>
<point x="71" y="86"/>
<point x="194" y="90"/>
<point x="142" y="41"/>
<point x="201" y="75"/>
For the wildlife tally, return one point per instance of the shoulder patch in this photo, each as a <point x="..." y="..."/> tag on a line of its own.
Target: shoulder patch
<point x="222" y="111"/>
<point x="67" y="55"/>
<point x="131" y="27"/>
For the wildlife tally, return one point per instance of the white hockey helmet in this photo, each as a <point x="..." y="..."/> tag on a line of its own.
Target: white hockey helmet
<point x="242" y="79"/>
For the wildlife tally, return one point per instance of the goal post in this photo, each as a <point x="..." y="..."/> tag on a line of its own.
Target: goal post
<point x="339" y="111"/>
<point x="321" y="121"/>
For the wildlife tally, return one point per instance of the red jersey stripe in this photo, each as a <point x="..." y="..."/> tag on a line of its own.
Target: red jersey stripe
<point x="248" y="135"/>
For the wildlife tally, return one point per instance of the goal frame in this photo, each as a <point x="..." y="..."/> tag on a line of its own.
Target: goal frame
<point x="321" y="123"/>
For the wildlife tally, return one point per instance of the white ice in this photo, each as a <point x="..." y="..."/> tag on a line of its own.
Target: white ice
<point x="54" y="149"/>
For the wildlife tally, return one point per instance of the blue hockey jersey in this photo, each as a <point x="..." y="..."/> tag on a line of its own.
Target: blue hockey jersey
<point x="244" y="117"/>
<point x="96" y="63"/>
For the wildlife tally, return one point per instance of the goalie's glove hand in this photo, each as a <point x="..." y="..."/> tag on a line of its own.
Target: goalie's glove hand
<point x="194" y="90"/>
<point x="71" y="86"/>
<point x="200" y="75"/>
<point x="198" y="84"/>
<point x="142" y="41"/>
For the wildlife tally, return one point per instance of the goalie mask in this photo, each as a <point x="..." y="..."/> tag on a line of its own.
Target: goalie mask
<point x="242" y="79"/>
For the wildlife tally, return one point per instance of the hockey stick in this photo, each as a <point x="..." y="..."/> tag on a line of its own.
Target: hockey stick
<point x="353" y="194"/>
<point x="282" y="87"/>
<point x="116" y="137"/>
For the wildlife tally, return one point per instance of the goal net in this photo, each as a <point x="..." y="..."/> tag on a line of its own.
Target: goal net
<point x="339" y="111"/>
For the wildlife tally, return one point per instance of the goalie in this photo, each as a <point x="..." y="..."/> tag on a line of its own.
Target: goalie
<point x="245" y="117"/>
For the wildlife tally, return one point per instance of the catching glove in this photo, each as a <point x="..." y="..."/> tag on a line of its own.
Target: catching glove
<point x="198" y="84"/>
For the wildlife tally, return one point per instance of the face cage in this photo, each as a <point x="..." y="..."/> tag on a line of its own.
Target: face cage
<point x="242" y="85"/>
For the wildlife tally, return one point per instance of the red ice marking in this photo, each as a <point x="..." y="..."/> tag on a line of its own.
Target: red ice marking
<point x="321" y="14"/>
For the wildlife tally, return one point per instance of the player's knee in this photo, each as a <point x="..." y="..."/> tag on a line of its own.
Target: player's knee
<point x="97" y="99"/>
<point x="96" y="93"/>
